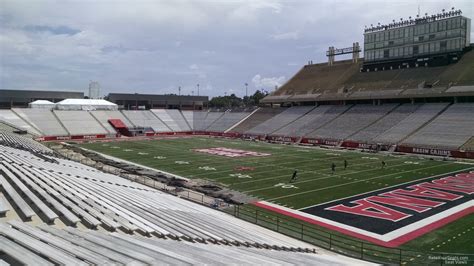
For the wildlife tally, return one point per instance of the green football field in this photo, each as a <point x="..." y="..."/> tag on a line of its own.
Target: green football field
<point x="268" y="177"/>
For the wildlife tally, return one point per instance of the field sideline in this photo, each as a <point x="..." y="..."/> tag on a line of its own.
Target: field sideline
<point x="267" y="176"/>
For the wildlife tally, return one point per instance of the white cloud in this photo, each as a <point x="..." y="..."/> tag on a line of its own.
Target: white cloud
<point x="156" y="46"/>
<point x="260" y="82"/>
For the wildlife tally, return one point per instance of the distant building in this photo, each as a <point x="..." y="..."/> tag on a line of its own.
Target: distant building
<point x="21" y="98"/>
<point x="94" y="90"/>
<point x="129" y="101"/>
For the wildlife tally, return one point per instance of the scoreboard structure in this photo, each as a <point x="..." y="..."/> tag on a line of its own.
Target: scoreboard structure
<point x="424" y="41"/>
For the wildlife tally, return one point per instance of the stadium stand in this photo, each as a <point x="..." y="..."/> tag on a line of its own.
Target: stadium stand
<point x="353" y="120"/>
<point x="312" y="120"/>
<point x="450" y="130"/>
<point x="164" y="116"/>
<point x="203" y="119"/>
<point x="44" y="120"/>
<point x="109" y="215"/>
<point x="198" y="119"/>
<point x="394" y="117"/>
<point x="469" y="145"/>
<point x="411" y="123"/>
<point x="80" y="123"/>
<point x="189" y="118"/>
<point x="23" y="143"/>
<point x="319" y="79"/>
<point x="146" y="119"/>
<point x="260" y="116"/>
<point x="179" y="119"/>
<point x="47" y="245"/>
<point x="343" y="80"/>
<point x="99" y="199"/>
<point x="280" y="120"/>
<point x="227" y="120"/>
<point x="10" y="118"/>
<point x="104" y="116"/>
<point x="210" y="118"/>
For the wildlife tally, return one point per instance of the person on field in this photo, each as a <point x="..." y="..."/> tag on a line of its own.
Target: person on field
<point x="383" y="164"/>
<point x="333" y="168"/>
<point x="345" y="164"/>
<point x="294" y="176"/>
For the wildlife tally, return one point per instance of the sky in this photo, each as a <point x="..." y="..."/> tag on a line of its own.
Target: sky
<point x="145" y="46"/>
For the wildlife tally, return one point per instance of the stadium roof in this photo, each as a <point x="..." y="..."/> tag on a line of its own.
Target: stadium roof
<point x="42" y="102"/>
<point x="86" y="104"/>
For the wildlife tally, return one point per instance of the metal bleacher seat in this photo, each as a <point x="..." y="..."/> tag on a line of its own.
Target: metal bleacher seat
<point x="451" y="129"/>
<point x="351" y="121"/>
<point x="167" y="119"/>
<point x="42" y="119"/>
<point x="146" y="119"/>
<point x="385" y="123"/>
<point x="10" y="118"/>
<point x="280" y="120"/>
<point x="411" y="123"/>
<point x="226" y="121"/>
<point x="80" y="123"/>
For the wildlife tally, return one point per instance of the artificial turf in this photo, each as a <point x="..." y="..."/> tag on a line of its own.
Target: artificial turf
<point x="268" y="177"/>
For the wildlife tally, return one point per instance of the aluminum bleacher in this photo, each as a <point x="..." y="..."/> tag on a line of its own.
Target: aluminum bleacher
<point x="395" y="116"/>
<point x="280" y="120"/>
<point x="103" y="117"/>
<point x="69" y="213"/>
<point x="411" y="123"/>
<point x="99" y="199"/>
<point x="178" y="117"/>
<point x="189" y="118"/>
<point x="10" y="118"/>
<point x="258" y="117"/>
<point x="227" y="120"/>
<point x="450" y="130"/>
<point x="210" y="118"/>
<point x="80" y="123"/>
<point x="42" y="119"/>
<point x="310" y="121"/>
<point x="146" y="119"/>
<point x="24" y="143"/>
<point x="164" y="116"/>
<point x="353" y="120"/>
<point x="47" y="245"/>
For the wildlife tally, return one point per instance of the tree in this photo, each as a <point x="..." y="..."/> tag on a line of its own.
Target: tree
<point x="231" y="101"/>
<point x="254" y="100"/>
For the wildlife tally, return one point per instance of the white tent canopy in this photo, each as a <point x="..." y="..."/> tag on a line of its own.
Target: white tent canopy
<point x="43" y="104"/>
<point x="85" y="104"/>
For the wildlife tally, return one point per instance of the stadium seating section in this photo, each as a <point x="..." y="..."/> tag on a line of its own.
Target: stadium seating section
<point x="80" y="123"/>
<point x="43" y="120"/>
<point x="345" y="80"/>
<point x="55" y="211"/>
<point x="443" y="125"/>
<point x="450" y="130"/>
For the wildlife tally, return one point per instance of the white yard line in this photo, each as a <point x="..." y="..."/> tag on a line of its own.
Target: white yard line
<point x="353" y="182"/>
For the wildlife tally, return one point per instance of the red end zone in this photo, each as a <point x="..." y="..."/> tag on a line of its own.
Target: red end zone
<point x="391" y="243"/>
<point x="370" y="216"/>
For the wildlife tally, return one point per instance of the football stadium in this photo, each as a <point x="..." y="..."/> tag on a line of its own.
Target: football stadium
<point x="364" y="161"/>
